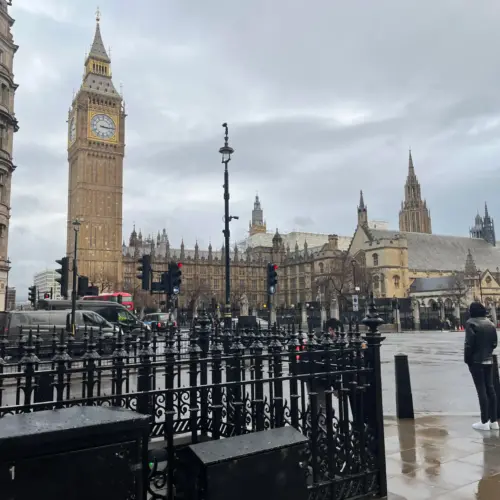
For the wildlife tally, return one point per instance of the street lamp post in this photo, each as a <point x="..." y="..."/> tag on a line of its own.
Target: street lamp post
<point x="76" y="229"/>
<point x="226" y="151"/>
<point x="7" y="262"/>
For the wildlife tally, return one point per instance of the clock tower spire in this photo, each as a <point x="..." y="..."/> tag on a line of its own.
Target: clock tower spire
<point x="96" y="148"/>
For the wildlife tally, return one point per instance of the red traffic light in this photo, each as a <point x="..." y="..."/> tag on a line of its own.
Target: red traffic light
<point x="275" y="267"/>
<point x="179" y="264"/>
<point x="46" y="295"/>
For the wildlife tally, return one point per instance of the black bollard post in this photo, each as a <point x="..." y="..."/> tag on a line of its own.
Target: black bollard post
<point x="404" y="397"/>
<point x="496" y="383"/>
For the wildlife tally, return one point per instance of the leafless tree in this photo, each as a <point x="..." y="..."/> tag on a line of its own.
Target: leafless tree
<point x="459" y="289"/>
<point x="200" y="289"/>
<point x="341" y="276"/>
<point x="104" y="282"/>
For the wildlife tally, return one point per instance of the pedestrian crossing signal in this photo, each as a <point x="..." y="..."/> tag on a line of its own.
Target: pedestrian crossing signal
<point x="272" y="278"/>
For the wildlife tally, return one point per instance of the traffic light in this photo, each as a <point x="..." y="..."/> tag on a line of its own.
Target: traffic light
<point x="272" y="278"/>
<point x="46" y="295"/>
<point x="83" y="286"/>
<point x="32" y="295"/>
<point x="165" y="282"/>
<point x="64" y="272"/>
<point x="174" y="276"/>
<point x="144" y="270"/>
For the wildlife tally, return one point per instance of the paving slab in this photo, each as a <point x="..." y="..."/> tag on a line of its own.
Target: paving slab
<point x="441" y="457"/>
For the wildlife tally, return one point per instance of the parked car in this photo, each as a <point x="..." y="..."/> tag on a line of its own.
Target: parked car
<point x="160" y="322"/>
<point x="111" y="311"/>
<point x="18" y="324"/>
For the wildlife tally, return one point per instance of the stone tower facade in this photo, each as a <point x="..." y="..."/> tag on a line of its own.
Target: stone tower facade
<point x="8" y="125"/>
<point x="96" y="147"/>
<point x="258" y="225"/>
<point x="414" y="216"/>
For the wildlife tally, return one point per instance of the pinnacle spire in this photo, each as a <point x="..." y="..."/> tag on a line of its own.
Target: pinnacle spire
<point x="486" y="214"/>
<point x="361" y="200"/>
<point x="411" y="168"/>
<point x="98" y="51"/>
<point x="470" y="265"/>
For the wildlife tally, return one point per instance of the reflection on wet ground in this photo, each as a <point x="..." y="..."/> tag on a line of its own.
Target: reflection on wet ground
<point x="441" y="458"/>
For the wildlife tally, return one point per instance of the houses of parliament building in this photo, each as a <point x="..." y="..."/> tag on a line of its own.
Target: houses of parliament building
<point x="312" y="267"/>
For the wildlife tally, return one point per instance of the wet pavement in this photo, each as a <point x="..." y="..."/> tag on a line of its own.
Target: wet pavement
<point x="441" y="458"/>
<point x="441" y="382"/>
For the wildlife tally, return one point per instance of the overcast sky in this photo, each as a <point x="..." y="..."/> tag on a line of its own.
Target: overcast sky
<point x="322" y="98"/>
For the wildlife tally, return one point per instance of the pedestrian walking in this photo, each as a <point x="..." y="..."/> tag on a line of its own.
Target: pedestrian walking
<point x="480" y="342"/>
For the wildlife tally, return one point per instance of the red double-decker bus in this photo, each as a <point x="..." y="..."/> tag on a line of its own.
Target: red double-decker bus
<point x="123" y="298"/>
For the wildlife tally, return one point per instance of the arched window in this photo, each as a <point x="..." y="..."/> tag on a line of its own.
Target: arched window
<point x="321" y="267"/>
<point x="396" y="281"/>
<point x="375" y="259"/>
<point x="376" y="282"/>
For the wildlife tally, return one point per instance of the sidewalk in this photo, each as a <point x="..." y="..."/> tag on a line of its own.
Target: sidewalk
<point x="441" y="458"/>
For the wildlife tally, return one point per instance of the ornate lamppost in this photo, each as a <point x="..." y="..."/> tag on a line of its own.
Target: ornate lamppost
<point x="226" y="151"/>
<point x="76" y="228"/>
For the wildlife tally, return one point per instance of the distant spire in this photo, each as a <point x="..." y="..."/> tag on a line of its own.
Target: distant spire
<point x="470" y="265"/>
<point x="486" y="215"/>
<point x="98" y="50"/>
<point x="411" y="168"/>
<point x="361" y="201"/>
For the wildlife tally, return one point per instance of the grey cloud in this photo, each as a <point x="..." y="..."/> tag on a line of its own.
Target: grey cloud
<point x="425" y="74"/>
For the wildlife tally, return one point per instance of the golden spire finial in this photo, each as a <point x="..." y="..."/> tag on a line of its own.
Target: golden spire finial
<point x="98" y="14"/>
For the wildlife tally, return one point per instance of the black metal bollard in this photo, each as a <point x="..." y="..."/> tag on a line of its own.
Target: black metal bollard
<point x="496" y="383"/>
<point x="404" y="397"/>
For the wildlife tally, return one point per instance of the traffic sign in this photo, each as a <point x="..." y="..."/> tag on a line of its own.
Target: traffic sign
<point x="272" y="290"/>
<point x="355" y="303"/>
<point x="175" y="290"/>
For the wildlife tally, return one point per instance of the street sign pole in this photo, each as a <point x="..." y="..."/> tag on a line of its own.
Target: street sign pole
<point x="355" y="303"/>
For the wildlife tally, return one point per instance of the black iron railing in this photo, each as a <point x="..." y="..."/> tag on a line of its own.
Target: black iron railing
<point x="206" y="384"/>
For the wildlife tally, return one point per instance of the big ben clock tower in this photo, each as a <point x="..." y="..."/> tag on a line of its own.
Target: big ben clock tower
<point x="96" y="147"/>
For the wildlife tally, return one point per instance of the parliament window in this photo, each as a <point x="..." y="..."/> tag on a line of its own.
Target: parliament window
<point x="375" y="259"/>
<point x="396" y="281"/>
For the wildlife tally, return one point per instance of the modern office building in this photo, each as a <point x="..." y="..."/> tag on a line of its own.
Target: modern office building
<point x="45" y="282"/>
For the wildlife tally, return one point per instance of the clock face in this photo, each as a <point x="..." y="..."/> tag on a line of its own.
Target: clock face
<point x="103" y="126"/>
<point x="72" y="129"/>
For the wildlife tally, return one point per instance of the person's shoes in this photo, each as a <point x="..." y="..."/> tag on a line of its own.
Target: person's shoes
<point x="494" y="426"/>
<point x="479" y="426"/>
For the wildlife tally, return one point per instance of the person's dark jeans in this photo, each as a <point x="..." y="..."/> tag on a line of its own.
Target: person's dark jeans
<point x="482" y="375"/>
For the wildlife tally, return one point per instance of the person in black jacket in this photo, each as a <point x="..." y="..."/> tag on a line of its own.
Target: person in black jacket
<point x="480" y="342"/>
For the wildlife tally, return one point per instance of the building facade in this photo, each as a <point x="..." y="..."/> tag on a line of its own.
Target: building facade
<point x="96" y="146"/>
<point x="11" y="298"/>
<point x="8" y="126"/>
<point x="305" y="260"/>
<point x="414" y="216"/>
<point x="45" y="282"/>
<point x="441" y="273"/>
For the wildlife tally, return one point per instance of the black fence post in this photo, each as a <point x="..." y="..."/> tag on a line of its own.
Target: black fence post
<point x="237" y="349"/>
<point x="30" y="361"/>
<point x="144" y="379"/>
<point x="204" y="343"/>
<point x="194" y="354"/>
<point x="90" y="358"/>
<point x="277" y="403"/>
<point x="59" y="362"/>
<point x="169" y="430"/>
<point x="376" y="411"/>
<point x="119" y="355"/>
<point x="294" y="355"/>
<point x="216" y="353"/>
